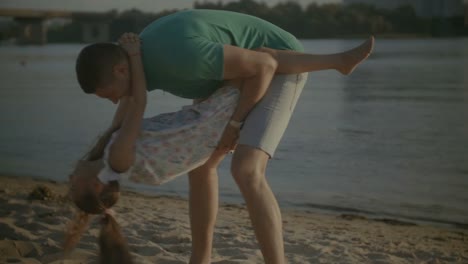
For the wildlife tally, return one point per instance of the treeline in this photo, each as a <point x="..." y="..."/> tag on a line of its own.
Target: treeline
<point x="312" y="21"/>
<point x="337" y="20"/>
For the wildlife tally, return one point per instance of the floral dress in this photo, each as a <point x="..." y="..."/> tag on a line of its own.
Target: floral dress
<point x="172" y="144"/>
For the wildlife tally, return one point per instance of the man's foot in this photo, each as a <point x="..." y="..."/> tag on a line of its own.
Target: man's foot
<point x="351" y="58"/>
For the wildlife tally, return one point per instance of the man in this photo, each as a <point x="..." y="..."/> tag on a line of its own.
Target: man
<point x="190" y="54"/>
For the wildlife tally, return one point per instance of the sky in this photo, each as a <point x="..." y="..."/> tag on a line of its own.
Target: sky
<point x="105" y="5"/>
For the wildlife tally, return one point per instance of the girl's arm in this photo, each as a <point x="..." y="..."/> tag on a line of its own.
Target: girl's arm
<point x="122" y="150"/>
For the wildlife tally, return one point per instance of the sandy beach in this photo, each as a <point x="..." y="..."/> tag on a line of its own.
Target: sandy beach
<point x="157" y="230"/>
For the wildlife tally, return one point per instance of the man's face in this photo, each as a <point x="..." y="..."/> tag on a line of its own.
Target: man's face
<point x="119" y="86"/>
<point x="114" y="91"/>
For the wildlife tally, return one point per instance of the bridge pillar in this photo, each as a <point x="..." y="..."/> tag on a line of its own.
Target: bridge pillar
<point x="32" y="31"/>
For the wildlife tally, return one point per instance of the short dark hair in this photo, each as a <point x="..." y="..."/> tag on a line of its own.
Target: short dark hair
<point x="95" y="62"/>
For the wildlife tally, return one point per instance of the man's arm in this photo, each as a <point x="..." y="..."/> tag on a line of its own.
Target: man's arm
<point x="122" y="150"/>
<point x="119" y="114"/>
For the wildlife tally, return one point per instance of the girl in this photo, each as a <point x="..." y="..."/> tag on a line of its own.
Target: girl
<point x="150" y="151"/>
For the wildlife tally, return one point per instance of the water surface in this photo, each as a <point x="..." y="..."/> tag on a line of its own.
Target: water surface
<point x="389" y="140"/>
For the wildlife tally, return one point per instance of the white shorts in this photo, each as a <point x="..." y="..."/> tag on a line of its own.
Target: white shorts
<point x="265" y="125"/>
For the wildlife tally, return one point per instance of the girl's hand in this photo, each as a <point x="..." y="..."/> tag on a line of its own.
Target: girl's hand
<point x="131" y="43"/>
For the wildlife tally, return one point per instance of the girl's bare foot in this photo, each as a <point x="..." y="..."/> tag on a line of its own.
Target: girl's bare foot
<point x="351" y="58"/>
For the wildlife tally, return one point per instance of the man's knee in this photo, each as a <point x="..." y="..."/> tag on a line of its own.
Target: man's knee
<point x="248" y="179"/>
<point x="248" y="168"/>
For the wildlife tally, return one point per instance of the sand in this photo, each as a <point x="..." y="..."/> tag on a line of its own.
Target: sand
<point x="157" y="229"/>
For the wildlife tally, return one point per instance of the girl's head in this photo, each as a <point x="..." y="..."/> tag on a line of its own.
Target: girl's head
<point x="87" y="192"/>
<point x="92" y="197"/>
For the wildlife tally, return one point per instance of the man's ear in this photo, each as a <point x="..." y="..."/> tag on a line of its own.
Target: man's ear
<point x="121" y="70"/>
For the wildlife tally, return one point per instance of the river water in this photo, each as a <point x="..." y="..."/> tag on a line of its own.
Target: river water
<point x="391" y="140"/>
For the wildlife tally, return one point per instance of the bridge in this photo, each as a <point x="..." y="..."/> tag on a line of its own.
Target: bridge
<point x="33" y="29"/>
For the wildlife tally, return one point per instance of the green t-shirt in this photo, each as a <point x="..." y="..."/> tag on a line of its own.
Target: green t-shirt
<point x="183" y="52"/>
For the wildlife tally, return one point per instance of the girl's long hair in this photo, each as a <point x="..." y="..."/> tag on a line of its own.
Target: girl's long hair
<point x="113" y="247"/>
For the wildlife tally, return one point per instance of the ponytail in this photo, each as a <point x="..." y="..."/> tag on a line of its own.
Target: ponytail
<point x="112" y="245"/>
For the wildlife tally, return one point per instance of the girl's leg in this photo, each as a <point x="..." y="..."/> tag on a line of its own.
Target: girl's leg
<point x="292" y="62"/>
<point x="203" y="207"/>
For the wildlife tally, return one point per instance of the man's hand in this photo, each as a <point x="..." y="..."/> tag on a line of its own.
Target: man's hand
<point x="229" y="139"/>
<point x="131" y="43"/>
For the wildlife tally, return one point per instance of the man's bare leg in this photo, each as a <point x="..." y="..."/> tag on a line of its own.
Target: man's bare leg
<point x="248" y="169"/>
<point x="203" y="208"/>
<point x="293" y="62"/>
